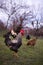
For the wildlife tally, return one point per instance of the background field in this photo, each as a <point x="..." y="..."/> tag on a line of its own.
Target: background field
<point x="27" y="55"/>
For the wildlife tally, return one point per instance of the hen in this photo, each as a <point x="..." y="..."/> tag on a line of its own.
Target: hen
<point x="32" y="42"/>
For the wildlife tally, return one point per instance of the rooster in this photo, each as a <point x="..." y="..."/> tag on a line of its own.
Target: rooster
<point x="16" y="43"/>
<point x="32" y="42"/>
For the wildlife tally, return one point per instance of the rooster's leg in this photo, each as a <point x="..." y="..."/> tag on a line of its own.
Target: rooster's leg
<point x="15" y="54"/>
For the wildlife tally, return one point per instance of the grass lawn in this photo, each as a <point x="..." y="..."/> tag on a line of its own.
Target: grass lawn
<point x="27" y="55"/>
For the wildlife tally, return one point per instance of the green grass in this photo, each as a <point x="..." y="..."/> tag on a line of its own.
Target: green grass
<point x="27" y="55"/>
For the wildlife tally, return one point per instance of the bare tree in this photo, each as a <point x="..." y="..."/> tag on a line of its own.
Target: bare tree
<point x="14" y="17"/>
